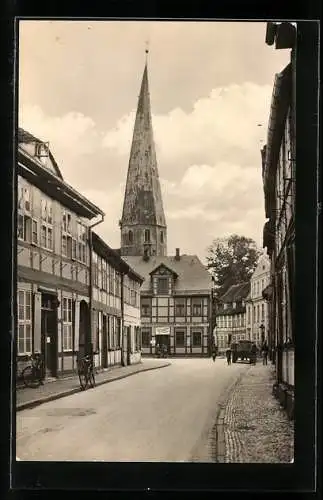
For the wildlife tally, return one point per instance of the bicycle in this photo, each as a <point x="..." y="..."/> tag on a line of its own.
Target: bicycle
<point x="32" y="374"/>
<point x="86" y="372"/>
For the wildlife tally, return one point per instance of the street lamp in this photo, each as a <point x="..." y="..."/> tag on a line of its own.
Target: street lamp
<point x="262" y="333"/>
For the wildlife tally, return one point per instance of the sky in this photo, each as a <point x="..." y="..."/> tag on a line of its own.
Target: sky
<point x="210" y="89"/>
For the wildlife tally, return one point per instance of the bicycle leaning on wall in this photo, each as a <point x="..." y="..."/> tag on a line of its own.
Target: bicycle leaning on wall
<point x="85" y="371"/>
<point x="32" y="374"/>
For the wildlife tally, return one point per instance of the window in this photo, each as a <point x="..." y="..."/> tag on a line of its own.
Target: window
<point x="145" y="337"/>
<point x="180" y="307"/>
<point x="197" y="339"/>
<point x="161" y="236"/>
<point x="81" y="242"/>
<point x="104" y="275"/>
<point x="24" y="322"/>
<point x="34" y="234"/>
<point x="133" y="298"/>
<point x="117" y="284"/>
<point x="67" y="325"/>
<point x="258" y="315"/>
<point x="180" y="339"/>
<point x="118" y="333"/>
<point x="197" y="307"/>
<point x="145" y="307"/>
<point x="95" y="269"/>
<point x="147" y="235"/>
<point x="24" y="222"/>
<point x="111" y="280"/>
<point x="130" y="237"/>
<point x="137" y="339"/>
<point x="162" y="286"/>
<point x="46" y="231"/>
<point x="234" y="305"/>
<point x="68" y="249"/>
<point x="262" y="312"/>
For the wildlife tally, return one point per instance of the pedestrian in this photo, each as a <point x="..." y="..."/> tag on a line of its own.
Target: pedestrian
<point x="228" y="356"/>
<point x="254" y="353"/>
<point x="214" y="353"/>
<point x="265" y="353"/>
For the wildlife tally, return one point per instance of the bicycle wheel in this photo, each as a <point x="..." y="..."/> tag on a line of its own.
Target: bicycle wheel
<point x="92" y="379"/>
<point x="83" y="377"/>
<point x="30" y="377"/>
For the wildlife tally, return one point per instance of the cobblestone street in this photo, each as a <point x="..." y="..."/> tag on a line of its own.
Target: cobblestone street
<point x="253" y="427"/>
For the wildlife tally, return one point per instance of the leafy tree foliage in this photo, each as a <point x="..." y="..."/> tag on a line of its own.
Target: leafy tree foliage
<point x="231" y="260"/>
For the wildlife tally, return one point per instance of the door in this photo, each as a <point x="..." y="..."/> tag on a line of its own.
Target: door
<point x="84" y="333"/>
<point x="104" y="350"/>
<point x="163" y="340"/>
<point x="128" y="345"/>
<point x="49" y="335"/>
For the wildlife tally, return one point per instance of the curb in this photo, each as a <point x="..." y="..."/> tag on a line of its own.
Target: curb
<point x="219" y="422"/>
<point x="74" y="390"/>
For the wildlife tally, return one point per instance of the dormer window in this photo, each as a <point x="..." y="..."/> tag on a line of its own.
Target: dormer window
<point x="225" y="306"/>
<point x="147" y="235"/>
<point x="162" y="286"/>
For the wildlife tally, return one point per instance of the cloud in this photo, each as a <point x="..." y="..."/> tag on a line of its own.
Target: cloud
<point x="208" y="158"/>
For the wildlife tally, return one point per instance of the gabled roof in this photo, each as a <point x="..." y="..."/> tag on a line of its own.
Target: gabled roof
<point x="27" y="138"/>
<point x="236" y="292"/>
<point x="166" y="267"/>
<point x="102" y="248"/>
<point x="193" y="276"/>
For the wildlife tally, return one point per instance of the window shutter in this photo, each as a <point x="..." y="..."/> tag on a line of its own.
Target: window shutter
<point x="37" y="322"/>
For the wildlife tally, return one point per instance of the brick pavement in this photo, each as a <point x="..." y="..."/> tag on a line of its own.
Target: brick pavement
<point x="252" y="427"/>
<point x="28" y="397"/>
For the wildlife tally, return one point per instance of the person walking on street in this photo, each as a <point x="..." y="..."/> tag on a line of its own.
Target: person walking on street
<point x="228" y="356"/>
<point x="264" y="353"/>
<point x="254" y="353"/>
<point x="214" y="353"/>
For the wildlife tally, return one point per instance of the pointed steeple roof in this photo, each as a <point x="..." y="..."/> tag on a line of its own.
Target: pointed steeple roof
<point x="143" y="200"/>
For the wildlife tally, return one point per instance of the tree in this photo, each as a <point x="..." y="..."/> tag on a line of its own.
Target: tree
<point x="231" y="260"/>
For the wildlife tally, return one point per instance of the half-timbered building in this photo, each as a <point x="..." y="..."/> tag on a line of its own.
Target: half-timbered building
<point x="53" y="273"/>
<point x="175" y="304"/>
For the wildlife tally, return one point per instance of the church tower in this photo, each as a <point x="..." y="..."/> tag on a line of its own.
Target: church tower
<point x="143" y="224"/>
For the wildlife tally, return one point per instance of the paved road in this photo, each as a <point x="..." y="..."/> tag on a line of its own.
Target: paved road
<point x="161" y="415"/>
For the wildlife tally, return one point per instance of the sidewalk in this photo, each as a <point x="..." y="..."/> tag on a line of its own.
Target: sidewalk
<point x="28" y="398"/>
<point x="252" y="427"/>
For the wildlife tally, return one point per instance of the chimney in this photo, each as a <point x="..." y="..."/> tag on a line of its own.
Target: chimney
<point x="177" y="255"/>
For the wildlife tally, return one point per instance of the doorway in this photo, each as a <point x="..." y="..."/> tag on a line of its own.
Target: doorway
<point x="49" y="334"/>
<point x="128" y="345"/>
<point x="163" y="340"/>
<point x="85" y="331"/>
<point x="104" y="351"/>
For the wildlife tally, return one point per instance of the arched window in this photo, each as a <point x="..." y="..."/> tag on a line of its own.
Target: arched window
<point x="147" y="235"/>
<point x="130" y="236"/>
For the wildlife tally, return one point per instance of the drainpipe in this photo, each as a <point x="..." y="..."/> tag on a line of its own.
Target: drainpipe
<point x="90" y="227"/>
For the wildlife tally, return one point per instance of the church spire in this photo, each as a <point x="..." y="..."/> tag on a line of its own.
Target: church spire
<point x="143" y="224"/>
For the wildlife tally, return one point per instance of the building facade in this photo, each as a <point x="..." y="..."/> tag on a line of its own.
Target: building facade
<point x="53" y="226"/>
<point x="279" y="163"/>
<point x="72" y="289"/>
<point x="257" y="312"/>
<point x="115" y="308"/>
<point x="231" y="316"/>
<point x="175" y="304"/>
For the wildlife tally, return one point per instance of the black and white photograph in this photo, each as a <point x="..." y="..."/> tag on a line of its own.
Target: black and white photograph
<point x="156" y="166"/>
